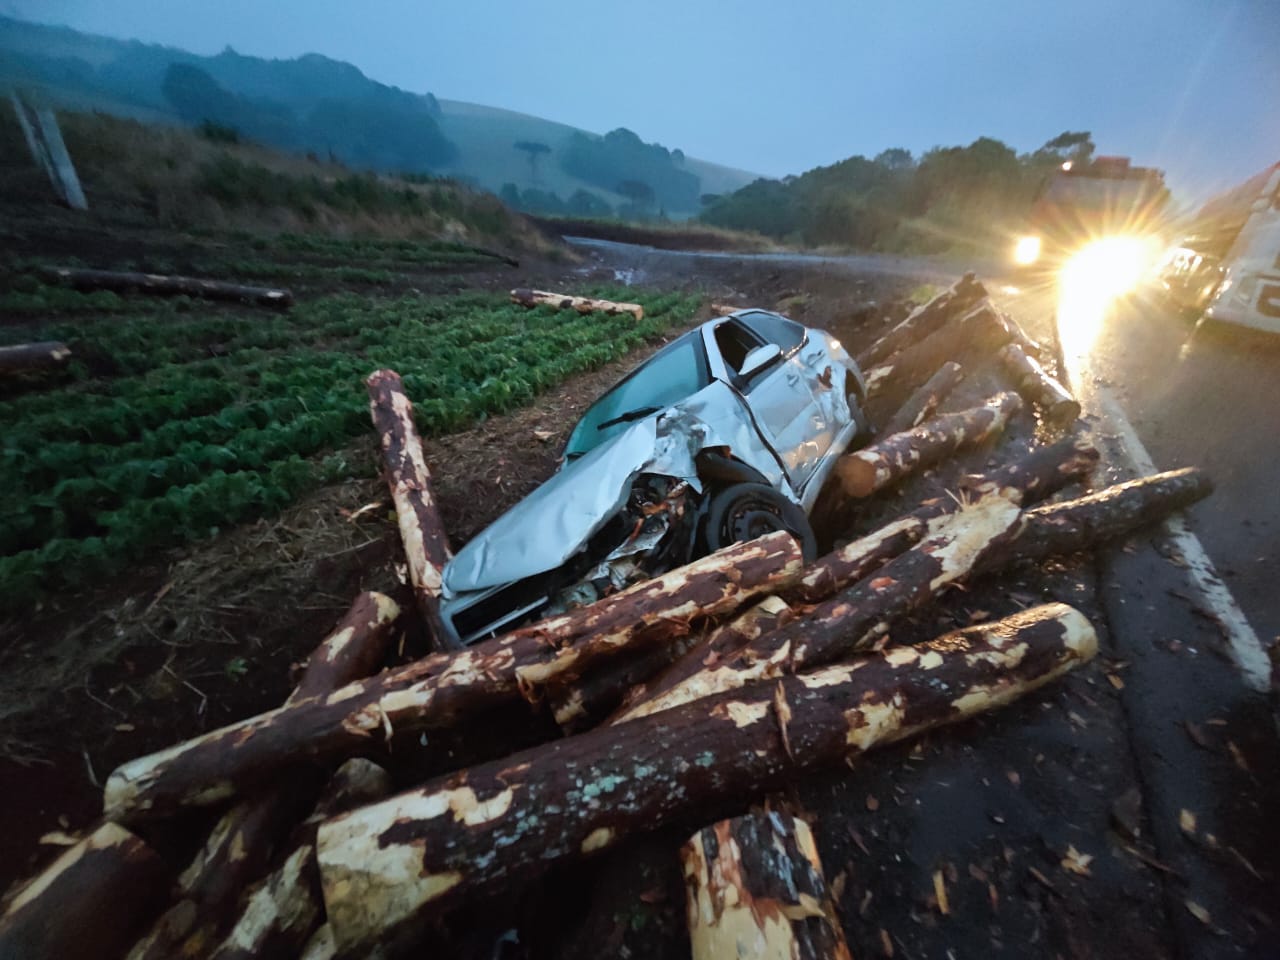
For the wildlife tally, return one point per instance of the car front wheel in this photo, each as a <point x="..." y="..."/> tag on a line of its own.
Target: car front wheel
<point x="746" y="511"/>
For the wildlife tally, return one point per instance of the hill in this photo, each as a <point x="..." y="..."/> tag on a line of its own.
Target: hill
<point x="314" y="104"/>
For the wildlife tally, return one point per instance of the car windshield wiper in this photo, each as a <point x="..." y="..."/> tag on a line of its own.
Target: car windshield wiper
<point x="638" y="414"/>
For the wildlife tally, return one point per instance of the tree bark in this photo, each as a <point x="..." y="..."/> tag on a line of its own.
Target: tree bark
<point x="859" y="616"/>
<point x="422" y="532"/>
<point x="243" y="842"/>
<point x="388" y="866"/>
<point x="1057" y="529"/>
<point x="718" y="644"/>
<point x="563" y="301"/>
<point x="168" y="286"/>
<point x="756" y="890"/>
<point x="1037" y="387"/>
<point x="978" y="333"/>
<point x="924" y="403"/>
<point x="355" y="648"/>
<point x="28" y="357"/>
<point x="282" y="912"/>
<point x="893" y="458"/>
<point x="924" y="320"/>
<point x="1030" y="477"/>
<point x="444" y="690"/>
<point x="74" y="907"/>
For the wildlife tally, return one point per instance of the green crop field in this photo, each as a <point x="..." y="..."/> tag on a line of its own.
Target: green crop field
<point x="178" y="418"/>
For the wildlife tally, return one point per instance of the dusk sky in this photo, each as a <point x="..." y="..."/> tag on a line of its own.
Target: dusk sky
<point x="1191" y="87"/>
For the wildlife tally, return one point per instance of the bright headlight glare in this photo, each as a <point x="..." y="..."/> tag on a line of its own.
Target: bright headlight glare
<point x="1108" y="267"/>
<point x="1026" y="250"/>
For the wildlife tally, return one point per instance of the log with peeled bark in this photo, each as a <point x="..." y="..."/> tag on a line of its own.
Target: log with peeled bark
<point x="30" y="357"/>
<point x="162" y="285"/>
<point x="242" y="843"/>
<point x="769" y="614"/>
<point x="755" y="890"/>
<point x="1030" y="477"/>
<point x="281" y="913"/>
<point x="1030" y="380"/>
<point x="924" y="320"/>
<point x="563" y="301"/>
<point x="422" y="532"/>
<point x="444" y="690"/>
<point x="866" y="611"/>
<point x="977" y="334"/>
<point x="891" y="459"/>
<point x="1071" y="526"/>
<point x="75" y="907"/>
<point x="862" y="614"/>
<point x="387" y="867"/>
<point x="924" y="403"/>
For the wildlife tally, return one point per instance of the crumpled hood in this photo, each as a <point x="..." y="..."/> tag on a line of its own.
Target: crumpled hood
<point x="554" y="522"/>
<point x="550" y="525"/>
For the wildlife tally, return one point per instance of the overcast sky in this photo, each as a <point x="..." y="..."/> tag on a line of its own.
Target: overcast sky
<point x="780" y="86"/>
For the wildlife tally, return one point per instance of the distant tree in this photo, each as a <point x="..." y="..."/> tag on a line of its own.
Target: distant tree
<point x="534" y="149"/>
<point x="584" y="203"/>
<point x="710" y="199"/>
<point x="1078" y="144"/>
<point x="621" y="155"/>
<point x="510" y="195"/>
<point x="433" y="105"/>
<point x="677" y="157"/>
<point x="639" y="193"/>
<point x="895" y="158"/>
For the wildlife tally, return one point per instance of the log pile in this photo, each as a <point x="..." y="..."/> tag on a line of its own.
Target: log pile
<point x="339" y="822"/>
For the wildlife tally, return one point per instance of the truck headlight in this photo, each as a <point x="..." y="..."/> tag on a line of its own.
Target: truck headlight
<point x="1026" y="251"/>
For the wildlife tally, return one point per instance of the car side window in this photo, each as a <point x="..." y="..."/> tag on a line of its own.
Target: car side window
<point x="772" y="328"/>
<point x="734" y="342"/>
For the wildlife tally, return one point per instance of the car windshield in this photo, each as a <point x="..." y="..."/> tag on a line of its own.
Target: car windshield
<point x="675" y="372"/>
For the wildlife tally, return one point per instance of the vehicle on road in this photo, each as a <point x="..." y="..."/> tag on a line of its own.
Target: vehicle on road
<point x="1100" y="216"/>
<point x="727" y="433"/>
<point x="1229" y="268"/>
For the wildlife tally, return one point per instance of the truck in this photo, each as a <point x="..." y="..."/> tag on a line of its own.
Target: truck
<point x="1227" y="267"/>
<point x="1104" y="205"/>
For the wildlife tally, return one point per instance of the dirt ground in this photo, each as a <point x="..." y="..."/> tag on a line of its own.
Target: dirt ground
<point x="206" y="635"/>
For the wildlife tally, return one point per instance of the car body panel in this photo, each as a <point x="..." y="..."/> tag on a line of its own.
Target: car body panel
<point x="787" y="422"/>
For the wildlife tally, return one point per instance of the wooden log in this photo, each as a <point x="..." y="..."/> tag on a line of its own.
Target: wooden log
<point x="75" y="907"/>
<point x="976" y="334"/>
<point x="284" y="911"/>
<point x="1030" y="477"/>
<point x="924" y="403"/>
<point x="755" y="890"/>
<point x="321" y="946"/>
<point x="1071" y="526"/>
<point x="245" y="839"/>
<point x="444" y="690"/>
<point x="1037" y="387"/>
<point x="861" y="615"/>
<point x="1030" y="346"/>
<point x="281" y="914"/>
<point x="355" y="648"/>
<point x="724" y="309"/>
<point x="924" y="320"/>
<point x="422" y="532"/>
<point x="893" y="458"/>
<point x="725" y="640"/>
<point x="563" y="301"/>
<point x="161" y="285"/>
<point x="386" y="867"/>
<point x="29" y="357"/>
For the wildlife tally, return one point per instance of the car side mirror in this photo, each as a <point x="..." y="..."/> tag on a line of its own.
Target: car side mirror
<point x="759" y="358"/>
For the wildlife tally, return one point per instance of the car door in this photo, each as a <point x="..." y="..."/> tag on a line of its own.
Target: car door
<point x="778" y="396"/>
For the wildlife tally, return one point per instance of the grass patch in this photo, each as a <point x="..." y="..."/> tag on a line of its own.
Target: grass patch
<point x="180" y="444"/>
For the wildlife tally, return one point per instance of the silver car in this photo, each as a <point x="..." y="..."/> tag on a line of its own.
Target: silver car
<point x="725" y="434"/>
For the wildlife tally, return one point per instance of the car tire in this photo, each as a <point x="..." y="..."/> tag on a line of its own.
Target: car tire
<point x="746" y="511"/>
